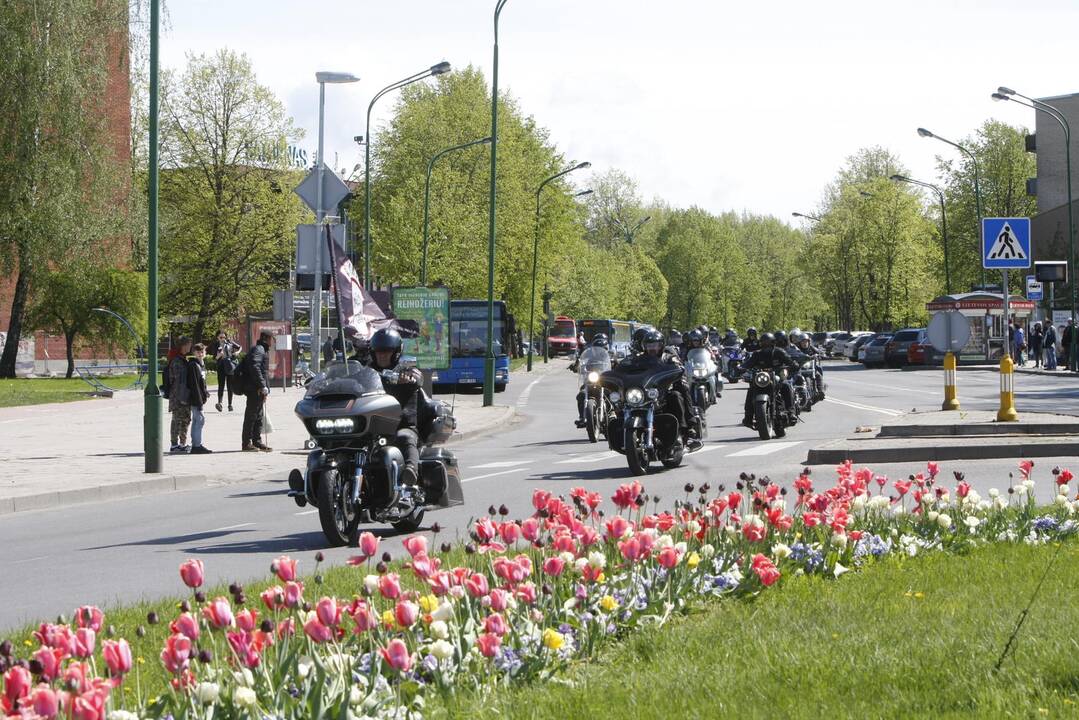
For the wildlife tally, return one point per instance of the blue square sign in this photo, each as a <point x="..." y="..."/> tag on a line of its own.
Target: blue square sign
<point x="1006" y="243"/>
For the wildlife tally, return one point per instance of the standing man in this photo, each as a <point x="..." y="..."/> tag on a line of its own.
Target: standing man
<point x="258" y="389"/>
<point x="1020" y="345"/>
<point x="198" y="396"/>
<point x="179" y="404"/>
<point x="1066" y="344"/>
<point x="1036" y="344"/>
<point x="1049" y="344"/>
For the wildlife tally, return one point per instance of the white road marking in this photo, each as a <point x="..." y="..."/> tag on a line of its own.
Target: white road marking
<point x="890" y="387"/>
<point x="599" y="457"/>
<point x="488" y="475"/>
<point x="765" y="448"/>
<point x="27" y="560"/>
<point x="231" y="527"/>
<point x="306" y="512"/>
<point x="859" y="406"/>
<point x="706" y="448"/>
<point x="501" y="464"/>
<point x="522" y="399"/>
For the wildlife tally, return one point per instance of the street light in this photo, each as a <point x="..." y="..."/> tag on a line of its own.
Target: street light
<point x="943" y="224"/>
<point x="977" y="190"/>
<point x="323" y="77"/>
<point x="582" y="193"/>
<point x="1004" y="93"/>
<point x="427" y="198"/>
<point x="806" y="216"/>
<point x="439" y="69"/>
<point x="535" y="254"/>
<point x="151" y="397"/>
<point x="631" y="233"/>
<point x="492" y="213"/>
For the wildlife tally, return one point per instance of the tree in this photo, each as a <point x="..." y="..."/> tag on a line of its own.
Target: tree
<point x="65" y="301"/>
<point x="615" y="210"/>
<point x="228" y="218"/>
<point x="56" y="183"/>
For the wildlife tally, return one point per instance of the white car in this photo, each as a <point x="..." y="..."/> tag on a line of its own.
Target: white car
<point x="841" y="343"/>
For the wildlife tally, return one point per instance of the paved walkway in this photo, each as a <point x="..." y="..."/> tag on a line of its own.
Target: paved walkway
<point x="67" y="453"/>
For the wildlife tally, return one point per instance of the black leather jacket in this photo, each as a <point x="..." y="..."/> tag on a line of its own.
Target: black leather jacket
<point x="771" y="359"/>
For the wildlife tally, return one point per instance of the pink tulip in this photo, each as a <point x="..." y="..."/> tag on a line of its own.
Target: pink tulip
<point x="631" y="549"/>
<point x="273" y="597"/>
<point x="668" y="557"/>
<point x="441" y="583"/>
<point x="530" y="529"/>
<point x="397" y="655"/>
<point x="415" y="545"/>
<point x="50" y="660"/>
<point x="117" y="656"/>
<point x="424" y="567"/>
<point x="476" y="584"/>
<point x="317" y="631"/>
<point x="177" y="653"/>
<point x="85" y="642"/>
<point x="406" y="613"/>
<point x="496" y="625"/>
<point x="328" y="612"/>
<point x="293" y="594"/>
<point x="245" y="647"/>
<point x="364" y="617"/>
<point x="285" y="567"/>
<point x="526" y="593"/>
<point x="286" y="628"/>
<point x="488" y="644"/>
<point x="191" y="572"/>
<point x="617" y="527"/>
<point x="45" y="701"/>
<point x="390" y="586"/>
<point x="247" y="620"/>
<point x="554" y="566"/>
<point x="509" y="532"/>
<point x="90" y="705"/>
<point x="218" y="613"/>
<point x="369" y="544"/>
<point x="186" y="625"/>
<point x="75" y="676"/>
<point x="89" y="616"/>
<point x="17" y="682"/>
<point x="500" y="599"/>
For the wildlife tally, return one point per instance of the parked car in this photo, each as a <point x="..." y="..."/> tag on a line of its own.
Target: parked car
<point x="830" y="344"/>
<point x="923" y="353"/>
<point x="840" y="347"/>
<point x="872" y="353"/>
<point x="821" y="339"/>
<point x="854" y="345"/>
<point x="895" y="352"/>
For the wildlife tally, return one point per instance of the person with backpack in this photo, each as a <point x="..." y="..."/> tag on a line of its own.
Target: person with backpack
<point x="255" y="372"/>
<point x="224" y="351"/>
<point x="198" y="396"/>
<point x="178" y="394"/>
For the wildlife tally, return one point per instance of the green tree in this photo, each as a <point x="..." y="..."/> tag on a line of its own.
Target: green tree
<point x="56" y="180"/>
<point x="228" y="216"/>
<point x="65" y="300"/>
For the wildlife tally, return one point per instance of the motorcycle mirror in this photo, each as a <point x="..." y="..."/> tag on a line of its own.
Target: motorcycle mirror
<point x="408" y="361"/>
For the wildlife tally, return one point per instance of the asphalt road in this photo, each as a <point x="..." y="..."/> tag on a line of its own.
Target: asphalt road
<point x="121" y="551"/>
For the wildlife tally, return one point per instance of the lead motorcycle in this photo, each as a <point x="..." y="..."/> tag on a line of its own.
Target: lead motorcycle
<point x="595" y="361"/>
<point x="353" y="474"/>
<point x="641" y="426"/>
<point x="771" y="416"/>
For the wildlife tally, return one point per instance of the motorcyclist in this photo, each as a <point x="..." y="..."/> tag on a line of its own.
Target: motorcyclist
<point x="804" y="348"/>
<point x="385" y="355"/>
<point x="636" y="344"/>
<point x="730" y="338"/>
<point x="782" y="341"/>
<point x="769" y="357"/>
<point x="653" y="353"/>
<point x="751" y="344"/>
<point x="694" y="339"/>
<point x="598" y="353"/>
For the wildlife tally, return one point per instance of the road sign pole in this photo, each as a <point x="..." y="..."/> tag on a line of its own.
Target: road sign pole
<point x="151" y="431"/>
<point x="316" y="298"/>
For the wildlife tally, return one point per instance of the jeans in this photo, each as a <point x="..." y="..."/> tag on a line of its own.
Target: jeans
<point x="1050" y="357"/>
<point x="181" y="418"/>
<point x="224" y="382"/>
<point x="198" y="420"/>
<point x="252" y="432"/>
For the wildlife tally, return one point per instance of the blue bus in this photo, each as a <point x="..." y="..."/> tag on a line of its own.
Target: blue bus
<point x="468" y="344"/>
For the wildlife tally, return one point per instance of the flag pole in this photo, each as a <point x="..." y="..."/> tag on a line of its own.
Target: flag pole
<point x="336" y="292"/>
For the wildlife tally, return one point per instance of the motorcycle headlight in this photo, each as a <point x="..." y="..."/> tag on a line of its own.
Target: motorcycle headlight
<point x="615" y="396"/>
<point x="652" y="393"/>
<point x="593" y="377"/>
<point x="700" y="372"/>
<point x="324" y="425"/>
<point x="635" y="396"/>
<point x="343" y="425"/>
<point x="762" y="379"/>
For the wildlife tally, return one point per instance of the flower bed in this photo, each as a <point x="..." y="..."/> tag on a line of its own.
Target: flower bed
<point x="528" y="597"/>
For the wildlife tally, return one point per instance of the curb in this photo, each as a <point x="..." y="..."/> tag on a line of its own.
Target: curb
<point x="977" y="429"/>
<point x="829" y="456"/>
<point x="506" y="415"/>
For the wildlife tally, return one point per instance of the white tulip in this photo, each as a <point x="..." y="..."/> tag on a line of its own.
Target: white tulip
<point x="932" y="516"/>
<point x="597" y="560"/>
<point x="440" y="630"/>
<point x="972" y="521"/>
<point x="442" y="613"/>
<point x="245" y="697"/>
<point x="994" y="493"/>
<point x="707" y="551"/>
<point x="839" y="540"/>
<point x="370" y="583"/>
<point x="944" y="521"/>
<point x="207" y="693"/>
<point x="781" y="551"/>
<point x="441" y="649"/>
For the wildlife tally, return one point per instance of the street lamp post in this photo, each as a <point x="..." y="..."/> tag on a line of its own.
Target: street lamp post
<point x="631" y="233"/>
<point x="943" y="224"/>
<point x="427" y="198"/>
<point x="151" y="418"/>
<point x="492" y="213"/>
<point x="439" y="69"/>
<point x="806" y="216"/>
<point x="535" y="253"/>
<point x="322" y="77"/>
<point x="1004" y="93"/>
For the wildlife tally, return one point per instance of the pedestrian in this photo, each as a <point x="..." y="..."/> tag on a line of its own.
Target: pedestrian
<point x="179" y="404"/>
<point x="1049" y="346"/>
<point x="327" y="351"/>
<point x="257" y="374"/>
<point x="1036" y="336"/>
<point x="198" y="396"/>
<point x="1066" y="345"/>
<point x="224" y="351"/>
<point x="1019" y="345"/>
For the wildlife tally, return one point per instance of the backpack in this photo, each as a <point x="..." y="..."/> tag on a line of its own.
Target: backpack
<point x="240" y="376"/>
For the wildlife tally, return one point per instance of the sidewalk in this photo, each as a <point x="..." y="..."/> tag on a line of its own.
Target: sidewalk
<point x="68" y="453"/>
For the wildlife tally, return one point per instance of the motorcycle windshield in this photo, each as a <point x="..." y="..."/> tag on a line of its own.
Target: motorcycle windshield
<point x="346" y="378"/>
<point x="594" y="359"/>
<point x="700" y="358"/>
<point x="630" y="375"/>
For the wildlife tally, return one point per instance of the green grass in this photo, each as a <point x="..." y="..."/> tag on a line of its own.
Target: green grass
<point x="902" y="639"/>
<point x="35" y="391"/>
<point x="519" y="363"/>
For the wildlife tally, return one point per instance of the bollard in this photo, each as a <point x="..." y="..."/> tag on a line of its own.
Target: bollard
<point x="1007" y="411"/>
<point x="951" y="402"/>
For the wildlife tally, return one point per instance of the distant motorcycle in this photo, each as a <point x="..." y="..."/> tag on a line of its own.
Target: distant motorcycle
<point x="731" y="360"/>
<point x="702" y="375"/>
<point x="595" y="361"/>
<point x="771" y="416"/>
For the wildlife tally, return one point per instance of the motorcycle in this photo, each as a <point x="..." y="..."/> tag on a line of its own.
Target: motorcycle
<point x="702" y="375"/>
<point x="771" y="416"/>
<point x="732" y="358"/>
<point x="593" y="362"/>
<point x="353" y="474"/>
<point x="641" y="427"/>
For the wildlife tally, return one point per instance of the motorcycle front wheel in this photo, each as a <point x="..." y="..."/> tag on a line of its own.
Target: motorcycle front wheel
<point x="763" y="420"/>
<point x="674" y="460"/>
<point x="590" y="420"/>
<point x="410" y="523"/>
<point x="701" y="400"/>
<point x="338" y="521"/>
<point x="637" y="456"/>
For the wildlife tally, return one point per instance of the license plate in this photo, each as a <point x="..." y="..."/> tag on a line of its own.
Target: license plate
<point x="467" y="380"/>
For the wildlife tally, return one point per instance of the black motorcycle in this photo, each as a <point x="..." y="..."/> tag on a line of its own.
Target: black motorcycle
<point x="353" y="475"/>
<point x="642" y="426"/>
<point x="771" y="416"/>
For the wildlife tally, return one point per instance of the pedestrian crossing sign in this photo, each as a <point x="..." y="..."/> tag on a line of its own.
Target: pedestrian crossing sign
<point x="1006" y="243"/>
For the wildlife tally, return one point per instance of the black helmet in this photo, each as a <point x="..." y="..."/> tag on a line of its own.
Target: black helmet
<point x="781" y="339"/>
<point x="652" y="338"/>
<point x="752" y="331"/>
<point x="637" y="343"/>
<point x="600" y="340"/>
<point x="768" y="340"/>
<point x="674" y="338"/>
<point x="730" y="331"/>
<point x="387" y="340"/>
<point x="695" y="339"/>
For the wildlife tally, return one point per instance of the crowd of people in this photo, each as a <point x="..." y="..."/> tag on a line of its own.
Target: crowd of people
<point x="1043" y="346"/>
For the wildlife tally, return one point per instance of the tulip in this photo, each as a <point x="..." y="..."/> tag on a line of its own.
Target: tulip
<point x="552" y="639"/>
<point x="554" y="566"/>
<point x="368" y="544"/>
<point x="89" y="616"/>
<point x="218" y="613"/>
<point x="765" y="570"/>
<point x="85" y="642"/>
<point x="476" y="584"/>
<point x="247" y="620"/>
<point x="90" y="705"/>
<point x="500" y="599"/>
<point x="390" y="586"/>
<point x="285" y="567"/>
<point x="45" y="701"/>
<point x="17" y="683"/>
<point x="177" y="653"/>
<point x="415" y="545"/>
<point x="496" y="625"/>
<point x="273" y="597"/>
<point x="396" y="654"/>
<point x="117" y="656"/>
<point x="245" y="647"/>
<point x="631" y="549"/>
<point x="207" y="693"/>
<point x="617" y="527"/>
<point x="530" y="529"/>
<point x="186" y="625"/>
<point x="526" y="593"/>
<point x="328" y="612"/>
<point x="245" y="697"/>
<point x="441" y="649"/>
<point x="50" y="660"/>
<point x="488" y="644"/>
<point x="439" y="629"/>
<point x="668" y="557"/>
<point x="317" y="631"/>
<point x="191" y="572"/>
<point x="293" y="594"/>
<point x="363" y="617"/>
<point x="75" y="676"/>
<point x="406" y="613"/>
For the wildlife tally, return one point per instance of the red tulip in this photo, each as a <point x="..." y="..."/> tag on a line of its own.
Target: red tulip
<point x="626" y="495"/>
<point x="45" y="701"/>
<point x="496" y="625"/>
<point x="1064" y="476"/>
<point x="363" y="616"/>
<point x="526" y="593"/>
<point x="617" y="527"/>
<point x="668" y="557"/>
<point x="246" y="647"/>
<point x="17" y="682"/>
<point x="564" y="542"/>
<point x="540" y="499"/>
<point x="218" y="613"/>
<point x="554" y="566"/>
<point x="50" y="660"/>
<point x="415" y="545"/>
<point x="186" y="625"/>
<point x="89" y="616"/>
<point x="441" y="583"/>
<point x="509" y="532"/>
<point x="293" y="594"/>
<point x="285" y="567"/>
<point x="368" y="544"/>
<point x="488" y="644"/>
<point x="177" y="653"/>
<point x="631" y="549"/>
<point x="406" y="613"/>
<point x="317" y="631"/>
<point x="962" y="489"/>
<point x="500" y="599"/>
<point x="765" y="569"/>
<point x="476" y="584"/>
<point x="390" y="586"/>
<point x="530" y="528"/>
<point x="75" y="676"/>
<point x="85" y="642"/>
<point x="932" y="468"/>
<point x="397" y="655"/>
<point x="247" y="620"/>
<point x="90" y="705"/>
<point x="273" y="597"/>
<point x="191" y="573"/>
<point x="117" y="656"/>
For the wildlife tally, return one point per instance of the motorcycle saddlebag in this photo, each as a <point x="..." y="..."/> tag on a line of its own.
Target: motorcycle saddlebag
<point x="440" y="477"/>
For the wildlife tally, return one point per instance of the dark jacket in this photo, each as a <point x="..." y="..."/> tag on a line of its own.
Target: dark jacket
<point x="258" y="368"/>
<point x="178" y="382"/>
<point x="225" y="355"/>
<point x="751" y="345"/>
<point x="405" y="392"/>
<point x="196" y="384"/>
<point x="770" y="359"/>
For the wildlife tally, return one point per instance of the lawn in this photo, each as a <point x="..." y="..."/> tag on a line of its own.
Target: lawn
<point x="900" y="639"/>
<point x="35" y="391"/>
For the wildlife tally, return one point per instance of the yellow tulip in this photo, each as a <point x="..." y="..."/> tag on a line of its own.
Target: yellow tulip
<point x="693" y="560"/>
<point x="552" y="639"/>
<point x="608" y="603"/>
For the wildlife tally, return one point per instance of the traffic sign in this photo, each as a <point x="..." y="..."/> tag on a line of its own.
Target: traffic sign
<point x="334" y="190"/>
<point x="309" y="237"/>
<point x="1006" y="243"/>
<point x="949" y="331"/>
<point x="1034" y="288"/>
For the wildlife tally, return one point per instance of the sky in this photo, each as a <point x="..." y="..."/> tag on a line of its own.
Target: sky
<point x="747" y="106"/>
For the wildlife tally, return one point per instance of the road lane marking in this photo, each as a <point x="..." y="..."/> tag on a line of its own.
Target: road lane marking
<point x="28" y="560"/>
<point x="599" y="457"/>
<point x="706" y="448"/>
<point x="522" y="399"/>
<point x="231" y="527"/>
<point x="489" y="475"/>
<point x="306" y="512"/>
<point x="859" y="406"/>
<point x="501" y="464"/>
<point x="890" y="387"/>
<point x="765" y="448"/>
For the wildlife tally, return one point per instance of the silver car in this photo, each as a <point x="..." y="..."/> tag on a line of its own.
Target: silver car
<point x="874" y="351"/>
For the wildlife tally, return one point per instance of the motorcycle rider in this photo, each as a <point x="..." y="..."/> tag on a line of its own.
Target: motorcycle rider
<point x="730" y="338"/>
<point x="653" y="354"/>
<point x="751" y="344"/>
<point x="769" y="357"/>
<point x="675" y="339"/>
<point x="782" y="341"/>
<point x="385" y="354"/>
<point x="803" y="345"/>
<point x="694" y="340"/>
<point x="597" y="351"/>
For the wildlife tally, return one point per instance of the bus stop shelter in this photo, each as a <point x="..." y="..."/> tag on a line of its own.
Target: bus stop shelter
<point x="987" y="325"/>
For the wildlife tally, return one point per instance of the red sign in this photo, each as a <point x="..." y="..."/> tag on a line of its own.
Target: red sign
<point x="1014" y="303"/>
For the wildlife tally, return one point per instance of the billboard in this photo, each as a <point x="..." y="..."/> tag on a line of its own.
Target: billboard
<point x="429" y="309"/>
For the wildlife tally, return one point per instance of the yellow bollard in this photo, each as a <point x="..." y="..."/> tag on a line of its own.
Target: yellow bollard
<point x="951" y="402"/>
<point x="1007" y="411"/>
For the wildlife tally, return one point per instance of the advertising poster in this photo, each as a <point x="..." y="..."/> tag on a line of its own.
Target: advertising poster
<point x="429" y="309"/>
